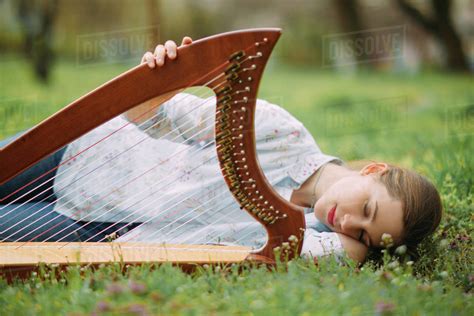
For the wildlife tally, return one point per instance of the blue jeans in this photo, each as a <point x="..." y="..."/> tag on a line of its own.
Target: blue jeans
<point x="24" y="216"/>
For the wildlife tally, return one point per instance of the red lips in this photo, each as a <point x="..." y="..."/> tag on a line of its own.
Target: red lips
<point x="331" y="214"/>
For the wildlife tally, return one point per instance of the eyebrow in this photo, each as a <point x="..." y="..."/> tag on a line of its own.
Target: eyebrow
<point x="375" y="211"/>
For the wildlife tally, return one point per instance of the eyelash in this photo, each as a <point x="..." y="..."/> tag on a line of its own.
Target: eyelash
<point x="365" y="214"/>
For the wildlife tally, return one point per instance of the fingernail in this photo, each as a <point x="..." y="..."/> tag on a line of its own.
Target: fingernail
<point x="172" y="55"/>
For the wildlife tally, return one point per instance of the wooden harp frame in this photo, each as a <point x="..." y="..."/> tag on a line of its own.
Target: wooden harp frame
<point x="241" y="56"/>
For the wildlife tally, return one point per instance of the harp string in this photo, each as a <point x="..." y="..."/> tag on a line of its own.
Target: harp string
<point x="106" y="212"/>
<point x="131" y="214"/>
<point x="181" y="241"/>
<point x="216" y="237"/>
<point x="161" y="213"/>
<point x="203" y="228"/>
<point x="151" y="235"/>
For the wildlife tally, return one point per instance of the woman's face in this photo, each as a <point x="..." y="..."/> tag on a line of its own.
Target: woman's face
<point x="360" y="207"/>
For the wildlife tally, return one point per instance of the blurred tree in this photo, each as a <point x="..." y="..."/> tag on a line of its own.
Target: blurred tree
<point x="348" y="13"/>
<point x="203" y="21"/>
<point x="154" y="16"/>
<point x="36" y="19"/>
<point x="350" y="21"/>
<point x="441" y="27"/>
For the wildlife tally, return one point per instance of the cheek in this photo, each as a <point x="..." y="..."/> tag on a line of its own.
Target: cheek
<point x="344" y="193"/>
<point x="327" y="201"/>
<point x="319" y="208"/>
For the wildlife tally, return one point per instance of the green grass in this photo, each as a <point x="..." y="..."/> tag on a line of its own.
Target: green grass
<point x="424" y="122"/>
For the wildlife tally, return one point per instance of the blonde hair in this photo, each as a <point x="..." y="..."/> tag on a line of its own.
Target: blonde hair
<point x="421" y="203"/>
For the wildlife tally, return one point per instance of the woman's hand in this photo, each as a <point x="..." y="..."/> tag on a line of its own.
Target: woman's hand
<point x="143" y="111"/>
<point x="161" y="51"/>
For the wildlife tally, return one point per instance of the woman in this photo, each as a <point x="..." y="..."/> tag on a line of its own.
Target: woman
<point x="347" y="211"/>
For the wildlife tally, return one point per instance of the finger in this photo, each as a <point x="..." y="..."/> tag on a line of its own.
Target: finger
<point x="144" y="57"/>
<point x="186" y="40"/>
<point x="170" y="47"/>
<point x="160" y="55"/>
<point x="149" y="59"/>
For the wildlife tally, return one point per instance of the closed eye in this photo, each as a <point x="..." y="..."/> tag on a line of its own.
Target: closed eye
<point x="365" y="215"/>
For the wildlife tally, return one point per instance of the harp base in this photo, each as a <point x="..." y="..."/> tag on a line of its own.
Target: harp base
<point x="27" y="254"/>
<point x="18" y="260"/>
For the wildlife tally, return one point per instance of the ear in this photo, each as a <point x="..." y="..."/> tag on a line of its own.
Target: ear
<point x="375" y="167"/>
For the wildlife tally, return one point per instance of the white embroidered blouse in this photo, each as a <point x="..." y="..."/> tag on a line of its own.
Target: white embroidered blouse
<point x="164" y="174"/>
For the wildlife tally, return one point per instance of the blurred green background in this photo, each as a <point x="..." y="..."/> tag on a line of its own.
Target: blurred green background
<point x="359" y="74"/>
<point x="381" y="80"/>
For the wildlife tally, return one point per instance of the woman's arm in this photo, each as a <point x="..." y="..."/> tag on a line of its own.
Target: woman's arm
<point x="168" y="50"/>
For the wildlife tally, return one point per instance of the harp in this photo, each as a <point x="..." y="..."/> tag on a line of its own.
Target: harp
<point x="231" y="65"/>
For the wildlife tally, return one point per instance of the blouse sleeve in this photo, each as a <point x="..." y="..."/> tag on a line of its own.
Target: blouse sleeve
<point x="192" y="117"/>
<point x="185" y="117"/>
<point x="319" y="244"/>
<point x="319" y="240"/>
